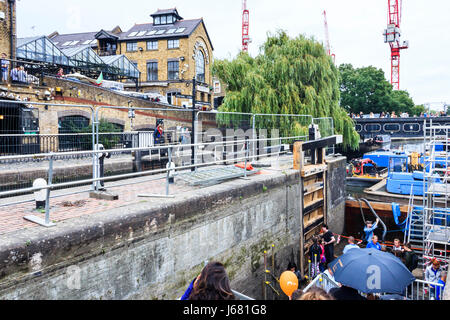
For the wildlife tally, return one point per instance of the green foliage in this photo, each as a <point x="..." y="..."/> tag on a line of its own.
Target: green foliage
<point x="108" y="141"/>
<point x="417" y="110"/>
<point x="367" y="90"/>
<point x="289" y="76"/>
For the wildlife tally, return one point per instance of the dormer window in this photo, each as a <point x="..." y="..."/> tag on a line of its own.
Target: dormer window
<point x="165" y="19"/>
<point x="162" y="17"/>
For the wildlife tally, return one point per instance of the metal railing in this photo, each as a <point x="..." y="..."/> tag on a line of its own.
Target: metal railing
<point x="241" y="296"/>
<point x="418" y="290"/>
<point x="60" y="148"/>
<point x="97" y="178"/>
<point x="322" y="281"/>
<point x="423" y="290"/>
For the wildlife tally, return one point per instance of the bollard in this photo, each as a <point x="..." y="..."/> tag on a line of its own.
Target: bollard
<point x="40" y="195"/>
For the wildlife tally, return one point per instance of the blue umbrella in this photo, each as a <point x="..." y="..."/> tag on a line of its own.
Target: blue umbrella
<point x="371" y="271"/>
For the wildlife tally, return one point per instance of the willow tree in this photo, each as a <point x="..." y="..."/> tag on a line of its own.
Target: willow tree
<point x="289" y="76"/>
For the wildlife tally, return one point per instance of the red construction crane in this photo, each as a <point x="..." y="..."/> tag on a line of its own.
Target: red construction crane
<point x="245" y="26"/>
<point x="327" y="37"/>
<point x="392" y="36"/>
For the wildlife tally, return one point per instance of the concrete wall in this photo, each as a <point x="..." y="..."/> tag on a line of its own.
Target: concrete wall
<point x="152" y="250"/>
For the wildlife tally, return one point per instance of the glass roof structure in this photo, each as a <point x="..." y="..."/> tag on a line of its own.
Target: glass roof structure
<point x="40" y="49"/>
<point x="82" y="58"/>
<point x="121" y="64"/>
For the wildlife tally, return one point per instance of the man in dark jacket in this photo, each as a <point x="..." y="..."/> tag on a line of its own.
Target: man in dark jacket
<point x="329" y="239"/>
<point x="410" y="257"/>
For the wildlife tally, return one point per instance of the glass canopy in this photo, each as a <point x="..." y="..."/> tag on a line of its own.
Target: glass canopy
<point x="40" y="49"/>
<point x="82" y="58"/>
<point x="121" y="65"/>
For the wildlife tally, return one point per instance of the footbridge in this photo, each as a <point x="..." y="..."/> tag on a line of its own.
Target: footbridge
<point x="396" y="127"/>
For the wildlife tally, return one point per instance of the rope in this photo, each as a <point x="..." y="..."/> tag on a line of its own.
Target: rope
<point x="362" y="212"/>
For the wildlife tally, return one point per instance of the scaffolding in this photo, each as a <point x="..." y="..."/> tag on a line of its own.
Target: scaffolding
<point x="436" y="196"/>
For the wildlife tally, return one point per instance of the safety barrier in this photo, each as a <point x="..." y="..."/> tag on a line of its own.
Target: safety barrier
<point x="90" y="141"/>
<point x="322" y="281"/>
<point x="98" y="179"/>
<point x="424" y="290"/>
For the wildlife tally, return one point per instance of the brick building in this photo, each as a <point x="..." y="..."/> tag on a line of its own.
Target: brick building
<point x="7" y="27"/>
<point x="169" y="52"/>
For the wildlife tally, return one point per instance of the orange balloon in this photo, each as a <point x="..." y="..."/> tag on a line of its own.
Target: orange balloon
<point x="288" y="282"/>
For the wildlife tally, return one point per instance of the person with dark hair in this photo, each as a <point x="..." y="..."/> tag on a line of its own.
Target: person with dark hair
<point x="346" y="293"/>
<point x="315" y="252"/>
<point x="329" y="241"/>
<point x="398" y="254"/>
<point x="411" y="259"/>
<point x="293" y="268"/>
<point x="212" y="284"/>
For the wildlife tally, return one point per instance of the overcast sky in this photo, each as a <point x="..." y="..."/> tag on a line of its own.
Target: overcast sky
<point x="355" y="28"/>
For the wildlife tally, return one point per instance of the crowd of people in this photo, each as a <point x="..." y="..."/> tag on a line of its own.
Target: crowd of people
<point x="16" y="74"/>
<point x="372" y="115"/>
<point x="213" y="282"/>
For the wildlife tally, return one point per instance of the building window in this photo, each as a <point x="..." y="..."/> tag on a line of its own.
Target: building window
<point x="217" y="88"/>
<point x="171" y="97"/>
<point x="163" y="19"/>
<point x="152" y="71"/>
<point x="157" y="20"/>
<point x="173" y="44"/>
<point x="131" y="46"/>
<point x="200" y="66"/>
<point x="152" y="45"/>
<point x="173" y="70"/>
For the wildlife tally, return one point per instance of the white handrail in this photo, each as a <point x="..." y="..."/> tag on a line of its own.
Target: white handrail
<point x="322" y="281"/>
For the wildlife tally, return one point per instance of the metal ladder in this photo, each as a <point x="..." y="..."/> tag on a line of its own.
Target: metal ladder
<point x="415" y="224"/>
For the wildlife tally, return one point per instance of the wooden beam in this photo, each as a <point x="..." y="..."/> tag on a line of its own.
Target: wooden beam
<point x="298" y="155"/>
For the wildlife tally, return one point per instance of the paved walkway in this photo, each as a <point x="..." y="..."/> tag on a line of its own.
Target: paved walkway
<point x="65" y="206"/>
<point x="76" y="205"/>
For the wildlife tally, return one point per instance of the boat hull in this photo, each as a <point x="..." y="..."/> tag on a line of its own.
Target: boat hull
<point x="362" y="182"/>
<point x="379" y="193"/>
